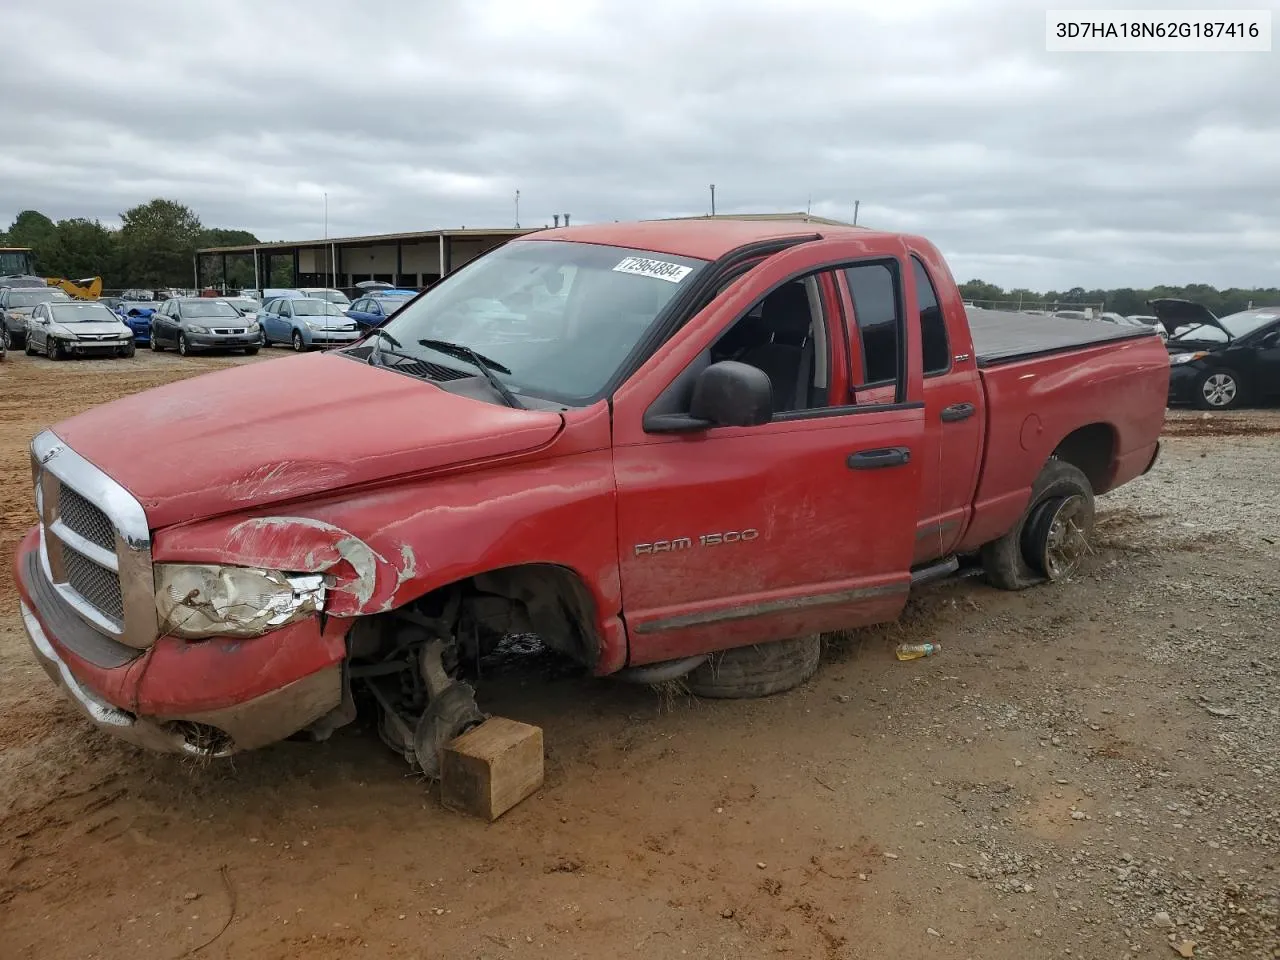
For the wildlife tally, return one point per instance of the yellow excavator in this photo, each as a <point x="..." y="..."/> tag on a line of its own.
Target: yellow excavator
<point x="18" y="264"/>
<point x="89" y="288"/>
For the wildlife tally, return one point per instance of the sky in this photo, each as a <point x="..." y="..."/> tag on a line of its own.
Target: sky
<point x="945" y="118"/>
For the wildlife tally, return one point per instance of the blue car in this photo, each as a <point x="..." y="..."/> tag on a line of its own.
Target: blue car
<point x="137" y="316"/>
<point x="305" y="322"/>
<point x="372" y="311"/>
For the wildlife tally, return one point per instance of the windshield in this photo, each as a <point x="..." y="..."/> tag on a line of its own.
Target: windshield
<point x="1237" y="324"/>
<point x="314" y="308"/>
<point x="32" y="297"/>
<point x="562" y="316"/>
<point x="332" y="296"/>
<point x="82" y="313"/>
<point x="130" y="305"/>
<point x="209" y="308"/>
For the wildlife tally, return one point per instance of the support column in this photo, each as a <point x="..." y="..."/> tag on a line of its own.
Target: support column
<point x="295" y="266"/>
<point x="442" y="256"/>
<point x="224" y="273"/>
<point x="399" y="261"/>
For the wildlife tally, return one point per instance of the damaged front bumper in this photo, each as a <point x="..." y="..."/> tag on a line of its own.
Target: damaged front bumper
<point x="207" y="698"/>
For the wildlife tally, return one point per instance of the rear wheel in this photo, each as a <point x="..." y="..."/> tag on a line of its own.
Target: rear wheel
<point x="1219" y="390"/>
<point x="1051" y="539"/>
<point x="758" y="670"/>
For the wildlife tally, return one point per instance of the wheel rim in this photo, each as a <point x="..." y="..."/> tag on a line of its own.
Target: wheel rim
<point x="297" y="342"/>
<point x="182" y="346"/>
<point x="1219" y="389"/>
<point x="1067" y="541"/>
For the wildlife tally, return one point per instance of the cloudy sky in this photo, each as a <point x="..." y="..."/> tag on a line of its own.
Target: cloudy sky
<point x="943" y="117"/>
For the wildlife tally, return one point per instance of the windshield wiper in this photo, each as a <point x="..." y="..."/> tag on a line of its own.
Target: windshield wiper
<point x="375" y="355"/>
<point x="482" y="363"/>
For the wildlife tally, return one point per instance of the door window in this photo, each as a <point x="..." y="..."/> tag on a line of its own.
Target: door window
<point x="933" y="329"/>
<point x="877" y="310"/>
<point x="785" y="335"/>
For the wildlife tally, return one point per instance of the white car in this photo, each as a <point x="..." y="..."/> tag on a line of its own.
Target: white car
<point x="77" y="328"/>
<point x="1148" y="321"/>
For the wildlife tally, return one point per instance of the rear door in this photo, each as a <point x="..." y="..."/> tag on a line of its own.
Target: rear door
<point x="954" y="413"/>
<point x="737" y="535"/>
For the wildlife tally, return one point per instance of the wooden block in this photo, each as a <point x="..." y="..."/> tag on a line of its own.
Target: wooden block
<point x="492" y="767"/>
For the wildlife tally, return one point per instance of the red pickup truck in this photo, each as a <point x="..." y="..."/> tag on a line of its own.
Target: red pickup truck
<point x="670" y="448"/>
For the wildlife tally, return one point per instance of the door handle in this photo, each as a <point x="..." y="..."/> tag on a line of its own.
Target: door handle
<point x="958" y="411"/>
<point x="883" y="457"/>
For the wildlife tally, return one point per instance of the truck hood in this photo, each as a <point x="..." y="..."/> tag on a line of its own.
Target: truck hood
<point x="258" y="434"/>
<point x="1173" y="313"/>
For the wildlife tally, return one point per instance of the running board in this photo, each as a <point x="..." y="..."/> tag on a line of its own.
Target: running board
<point x="935" y="571"/>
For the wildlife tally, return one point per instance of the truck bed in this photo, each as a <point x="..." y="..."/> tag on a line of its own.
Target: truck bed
<point x="1003" y="337"/>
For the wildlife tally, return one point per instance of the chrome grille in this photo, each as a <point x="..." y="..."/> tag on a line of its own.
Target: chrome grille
<point x="98" y="585"/>
<point x="85" y="519"/>
<point x="229" y="330"/>
<point x="95" y="544"/>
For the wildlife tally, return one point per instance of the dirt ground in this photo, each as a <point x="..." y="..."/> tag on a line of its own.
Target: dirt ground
<point x="1087" y="770"/>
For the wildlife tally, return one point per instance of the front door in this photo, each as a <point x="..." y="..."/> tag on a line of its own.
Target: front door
<point x="737" y="535"/>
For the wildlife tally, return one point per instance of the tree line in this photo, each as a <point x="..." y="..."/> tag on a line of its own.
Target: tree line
<point x="153" y="247"/>
<point x="157" y="240"/>
<point x="1125" y="301"/>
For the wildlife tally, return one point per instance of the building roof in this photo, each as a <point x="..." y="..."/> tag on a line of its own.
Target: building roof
<point x="373" y="239"/>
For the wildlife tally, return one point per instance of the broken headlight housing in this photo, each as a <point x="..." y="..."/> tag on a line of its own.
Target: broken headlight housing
<point x="196" y="601"/>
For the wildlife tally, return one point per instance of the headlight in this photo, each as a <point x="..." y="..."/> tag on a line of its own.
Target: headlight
<point x="1178" y="358"/>
<point x="196" y="328"/>
<point x="315" y="324"/>
<point x="251" y="325"/>
<point x="197" y="600"/>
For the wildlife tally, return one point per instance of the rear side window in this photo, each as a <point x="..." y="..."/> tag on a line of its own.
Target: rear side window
<point x="876" y="307"/>
<point x="933" y="330"/>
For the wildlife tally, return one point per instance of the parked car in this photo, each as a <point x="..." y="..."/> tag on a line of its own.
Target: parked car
<point x="277" y="292"/>
<point x="245" y="306"/>
<point x="16" y="304"/>
<point x="374" y="311"/>
<point x="336" y="297"/>
<point x="306" y="322"/>
<point x="194" y="324"/>
<point x="762" y="442"/>
<point x="137" y="316"/>
<point x="62" y="329"/>
<point x="1219" y="363"/>
<point x="1071" y="315"/>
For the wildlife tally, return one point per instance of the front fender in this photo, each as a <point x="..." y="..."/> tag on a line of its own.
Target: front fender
<point x="385" y="548"/>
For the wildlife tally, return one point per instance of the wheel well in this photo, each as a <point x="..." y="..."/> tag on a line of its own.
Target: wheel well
<point x="1093" y="450"/>
<point x="539" y="598"/>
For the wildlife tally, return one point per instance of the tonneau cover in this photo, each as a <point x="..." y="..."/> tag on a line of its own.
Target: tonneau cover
<point x="1002" y="337"/>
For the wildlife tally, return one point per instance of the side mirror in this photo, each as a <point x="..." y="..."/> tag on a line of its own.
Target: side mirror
<point x="726" y="394"/>
<point x="1270" y="339"/>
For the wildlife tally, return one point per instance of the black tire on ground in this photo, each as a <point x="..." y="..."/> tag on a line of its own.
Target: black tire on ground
<point x="28" y="349"/>
<point x="1006" y="561"/>
<point x="129" y="350"/>
<point x="250" y="351"/>
<point x="298" y="345"/>
<point x="758" y="670"/>
<point x="155" y="344"/>
<point x="1219" y="390"/>
<point x="183" y="349"/>
<point x="52" y="350"/>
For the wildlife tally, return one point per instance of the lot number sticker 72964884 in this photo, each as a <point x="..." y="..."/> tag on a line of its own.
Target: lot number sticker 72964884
<point x="658" y="269"/>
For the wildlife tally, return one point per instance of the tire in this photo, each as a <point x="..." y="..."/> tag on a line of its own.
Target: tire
<point x="154" y="343"/>
<point x="52" y="350"/>
<point x="27" y="348"/>
<point x="129" y="351"/>
<point x="758" y="670"/>
<point x="1219" y="390"/>
<point x="1016" y="560"/>
<point x="298" y="345"/>
<point x="250" y="351"/>
<point x="184" y="349"/>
